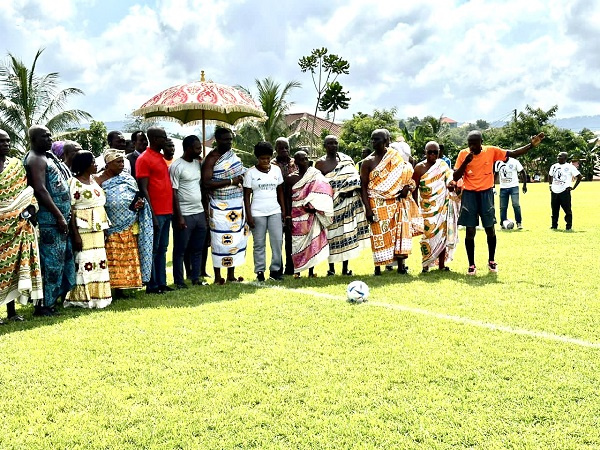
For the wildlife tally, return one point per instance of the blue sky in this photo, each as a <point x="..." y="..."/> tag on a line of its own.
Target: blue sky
<point x="465" y="60"/>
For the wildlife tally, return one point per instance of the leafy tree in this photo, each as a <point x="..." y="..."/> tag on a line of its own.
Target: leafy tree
<point x="28" y="99"/>
<point x="588" y="155"/>
<point x="272" y="96"/>
<point x="324" y="68"/>
<point x="482" y="124"/>
<point x="356" y="132"/>
<point x="333" y="99"/>
<point x="273" y="99"/>
<point x="92" y="139"/>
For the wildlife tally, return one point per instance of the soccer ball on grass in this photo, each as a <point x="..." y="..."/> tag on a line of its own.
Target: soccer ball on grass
<point x="357" y="291"/>
<point x="508" y="224"/>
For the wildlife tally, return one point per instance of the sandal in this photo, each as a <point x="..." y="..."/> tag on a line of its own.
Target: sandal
<point x="472" y="270"/>
<point x="445" y="269"/>
<point x="220" y="281"/>
<point x="296" y="275"/>
<point x="330" y="273"/>
<point x="314" y="275"/>
<point x="492" y="266"/>
<point x="348" y="273"/>
<point x="425" y="270"/>
<point x="236" y="280"/>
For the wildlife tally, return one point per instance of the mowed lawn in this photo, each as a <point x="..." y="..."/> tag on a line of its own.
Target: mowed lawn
<point x="437" y="360"/>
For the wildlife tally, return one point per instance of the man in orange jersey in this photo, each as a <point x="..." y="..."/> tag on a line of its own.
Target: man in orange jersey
<point x="475" y="165"/>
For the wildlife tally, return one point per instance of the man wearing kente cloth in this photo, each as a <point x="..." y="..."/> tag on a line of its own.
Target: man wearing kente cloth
<point x="20" y="272"/>
<point x="434" y="182"/>
<point x="222" y="177"/>
<point x="48" y="176"/>
<point x="311" y="207"/>
<point x="386" y="181"/>
<point x="349" y="233"/>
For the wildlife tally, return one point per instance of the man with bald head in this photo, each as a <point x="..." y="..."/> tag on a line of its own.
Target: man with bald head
<point x="155" y="185"/>
<point x="349" y="233"/>
<point x="475" y="165"/>
<point x="434" y="183"/>
<point x="48" y="176"/>
<point x="562" y="175"/>
<point x="386" y="181"/>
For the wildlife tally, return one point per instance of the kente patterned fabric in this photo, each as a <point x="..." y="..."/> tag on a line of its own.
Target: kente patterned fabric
<point x="92" y="289"/>
<point x="56" y="251"/>
<point x="309" y="230"/>
<point x="434" y="203"/>
<point x="20" y="271"/>
<point x="227" y="220"/>
<point x="349" y="233"/>
<point x="125" y="224"/>
<point x="396" y="220"/>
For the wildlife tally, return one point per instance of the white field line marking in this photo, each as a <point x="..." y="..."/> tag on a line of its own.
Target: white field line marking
<point x="459" y="319"/>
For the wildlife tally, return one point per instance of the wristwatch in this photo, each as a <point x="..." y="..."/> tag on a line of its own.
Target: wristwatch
<point x="25" y="215"/>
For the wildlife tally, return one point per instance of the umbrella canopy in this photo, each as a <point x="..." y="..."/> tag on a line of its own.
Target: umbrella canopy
<point x="201" y="101"/>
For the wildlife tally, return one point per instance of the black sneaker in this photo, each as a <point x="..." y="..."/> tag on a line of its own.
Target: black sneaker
<point x="275" y="276"/>
<point x="42" y="311"/>
<point x="154" y="291"/>
<point x="182" y="286"/>
<point x="166" y="289"/>
<point x="260" y="276"/>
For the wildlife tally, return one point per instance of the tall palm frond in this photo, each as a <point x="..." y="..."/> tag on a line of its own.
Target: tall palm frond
<point x="28" y="99"/>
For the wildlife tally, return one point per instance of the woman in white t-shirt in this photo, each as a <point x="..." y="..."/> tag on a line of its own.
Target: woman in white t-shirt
<point x="263" y="200"/>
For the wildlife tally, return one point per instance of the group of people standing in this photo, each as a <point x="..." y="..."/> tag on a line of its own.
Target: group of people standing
<point x="104" y="231"/>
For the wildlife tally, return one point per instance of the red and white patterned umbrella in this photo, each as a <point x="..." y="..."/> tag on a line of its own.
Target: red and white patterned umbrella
<point x="202" y="101"/>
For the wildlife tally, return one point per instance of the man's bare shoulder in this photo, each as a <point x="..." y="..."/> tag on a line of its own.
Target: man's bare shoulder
<point x="35" y="161"/>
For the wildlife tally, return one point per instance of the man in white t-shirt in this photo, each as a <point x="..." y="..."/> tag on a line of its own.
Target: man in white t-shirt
<point x="562" y="175"/>
<point x="264" y="182"/>
<point x="189" y="219"/>
<point x="508" y="173"/>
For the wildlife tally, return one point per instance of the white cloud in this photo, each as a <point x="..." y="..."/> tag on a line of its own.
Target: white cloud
<point x="468" y="60"/>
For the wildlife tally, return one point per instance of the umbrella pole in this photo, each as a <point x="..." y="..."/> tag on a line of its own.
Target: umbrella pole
<point x="203" y="137"/>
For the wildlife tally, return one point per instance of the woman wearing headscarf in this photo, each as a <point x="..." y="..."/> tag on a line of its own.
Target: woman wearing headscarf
<point x="88" y="224"/>
<point x="129" y="242"/>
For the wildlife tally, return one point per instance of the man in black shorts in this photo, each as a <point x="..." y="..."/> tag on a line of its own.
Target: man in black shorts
<point x="475" y="165"/>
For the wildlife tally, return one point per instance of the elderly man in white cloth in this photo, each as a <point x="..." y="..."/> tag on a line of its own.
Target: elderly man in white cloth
<point x="222" y="177"/>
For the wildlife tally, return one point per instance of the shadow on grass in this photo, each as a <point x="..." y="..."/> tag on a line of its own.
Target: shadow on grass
<point x="198" y="295"/>
<point x="193" y="296"/>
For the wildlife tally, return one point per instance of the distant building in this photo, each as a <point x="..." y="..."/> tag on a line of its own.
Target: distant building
<point x="304" y="122"/>
<point x="451" y="122"/>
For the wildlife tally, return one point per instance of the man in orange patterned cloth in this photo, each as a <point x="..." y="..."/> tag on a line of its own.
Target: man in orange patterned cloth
<point x="386" y="181"/>
<point x="20" y="271"/>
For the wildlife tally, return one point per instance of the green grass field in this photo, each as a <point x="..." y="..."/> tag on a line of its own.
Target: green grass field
<point x="437" y="360"/>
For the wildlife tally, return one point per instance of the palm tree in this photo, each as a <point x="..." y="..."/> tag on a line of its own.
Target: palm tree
<point x="273" y="99"/>
<point x="28" y="99"/>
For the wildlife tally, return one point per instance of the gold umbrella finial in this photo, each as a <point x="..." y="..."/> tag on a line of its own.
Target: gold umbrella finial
<point x="202" y="76"/>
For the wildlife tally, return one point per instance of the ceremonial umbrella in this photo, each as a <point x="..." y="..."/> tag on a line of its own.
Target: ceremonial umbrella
<point x="202" y="101"/>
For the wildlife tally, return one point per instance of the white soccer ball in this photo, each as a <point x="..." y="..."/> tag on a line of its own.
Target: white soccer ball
<point x="508" y="224"/>
<point x="357" y="291"/>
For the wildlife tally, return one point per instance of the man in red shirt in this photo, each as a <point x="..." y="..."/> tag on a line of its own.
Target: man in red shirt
<point x="475" y="165"/>
<point x="155" y="185"/>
